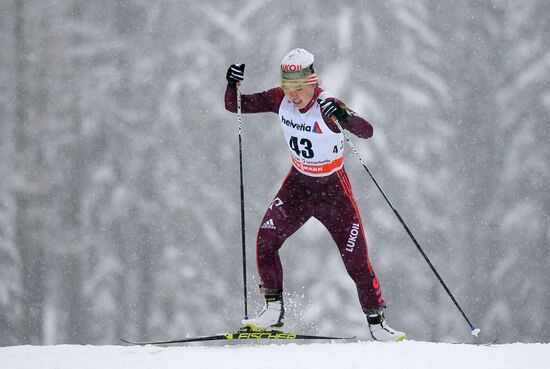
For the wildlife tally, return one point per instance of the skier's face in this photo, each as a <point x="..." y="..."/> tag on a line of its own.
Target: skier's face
<point x="301" y="96"/>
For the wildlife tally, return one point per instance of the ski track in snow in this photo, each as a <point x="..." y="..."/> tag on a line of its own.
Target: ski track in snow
<point x="404" y="355"/>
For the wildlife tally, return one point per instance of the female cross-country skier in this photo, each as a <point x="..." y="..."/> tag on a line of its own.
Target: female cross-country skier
<point x="316" y="186"/>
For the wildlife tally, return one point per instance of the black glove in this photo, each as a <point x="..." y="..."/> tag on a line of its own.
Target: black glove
<point x="235" y="74"/>
<point x="331" y="107"/>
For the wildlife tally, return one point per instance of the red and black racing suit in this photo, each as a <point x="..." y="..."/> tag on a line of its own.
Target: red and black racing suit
<point x="329" y="199"/>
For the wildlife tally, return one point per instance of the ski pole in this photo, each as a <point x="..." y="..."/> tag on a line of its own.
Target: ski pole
<point x="243" y="233"/>
<point x="475" y="331"/>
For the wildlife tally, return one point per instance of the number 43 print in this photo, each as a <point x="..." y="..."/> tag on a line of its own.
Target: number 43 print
<point x="303" y="149"/>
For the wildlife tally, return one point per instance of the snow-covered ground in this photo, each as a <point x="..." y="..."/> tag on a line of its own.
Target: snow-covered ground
<point x="404" y="355"/>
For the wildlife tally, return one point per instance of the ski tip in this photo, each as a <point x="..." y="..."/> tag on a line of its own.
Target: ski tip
<point x="132" y="343"/>
<point x="490" y="343"/>
<point x="485" y="343"/>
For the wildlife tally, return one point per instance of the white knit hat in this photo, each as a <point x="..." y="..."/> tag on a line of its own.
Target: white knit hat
<point x="297" y="69"/>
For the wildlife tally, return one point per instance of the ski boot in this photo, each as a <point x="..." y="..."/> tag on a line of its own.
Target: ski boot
<point x="272" y="315"/>
<point x="380" y="330"/>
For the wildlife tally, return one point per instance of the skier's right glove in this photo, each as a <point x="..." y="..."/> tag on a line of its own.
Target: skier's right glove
<point x="330" y="107"/>
<point x="235" y="74"/>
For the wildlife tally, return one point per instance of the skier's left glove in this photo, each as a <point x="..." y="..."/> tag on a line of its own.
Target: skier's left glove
<point x="331" y="107"/>
<point x="235" y="74"/>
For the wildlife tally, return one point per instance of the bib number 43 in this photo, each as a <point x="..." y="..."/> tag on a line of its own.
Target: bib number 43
<point x="302" y="148"/>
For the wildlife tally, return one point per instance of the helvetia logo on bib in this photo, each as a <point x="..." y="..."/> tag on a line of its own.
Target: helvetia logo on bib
<point x="302" y="126"/>
<point x="317" y="129"/>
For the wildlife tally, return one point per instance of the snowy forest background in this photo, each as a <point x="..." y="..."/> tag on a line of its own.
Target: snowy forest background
<point x="119" y="188"/>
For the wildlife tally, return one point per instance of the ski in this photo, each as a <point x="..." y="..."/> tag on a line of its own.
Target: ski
<point x="240" y="335"/>
<point x="484" y="343"/>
